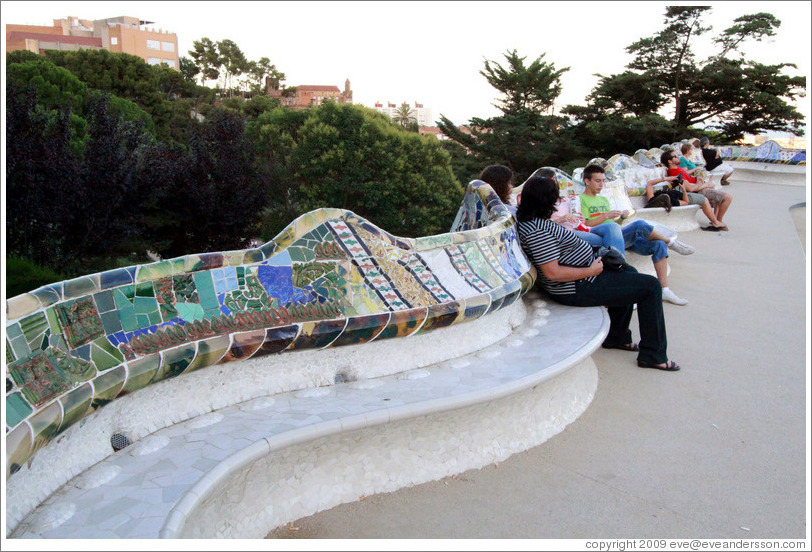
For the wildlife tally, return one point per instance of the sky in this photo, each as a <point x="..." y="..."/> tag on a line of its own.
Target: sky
<point x="433" y="52"/>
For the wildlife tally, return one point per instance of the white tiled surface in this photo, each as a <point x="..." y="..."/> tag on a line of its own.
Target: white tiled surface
<point x="179" y="465"/>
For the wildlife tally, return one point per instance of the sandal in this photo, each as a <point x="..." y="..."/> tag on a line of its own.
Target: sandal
<point x="631" y="347"/>
<point x="710" y="228"/>
<point x="670" y="366"/>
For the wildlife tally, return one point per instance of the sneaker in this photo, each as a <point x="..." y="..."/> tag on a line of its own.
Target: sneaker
<point x="681" y="248"/>
<point x="671" y="297"/>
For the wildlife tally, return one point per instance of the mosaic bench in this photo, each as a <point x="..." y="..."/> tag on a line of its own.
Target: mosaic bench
<point x="245" y="469"/>
<point x="95" y="361"/>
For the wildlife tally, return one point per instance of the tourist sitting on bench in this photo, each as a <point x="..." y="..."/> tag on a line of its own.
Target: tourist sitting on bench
<point x="572" y="274"/>
<point x="501" y="179"/>
<point x="713" y="161"/>
<point x="719" y="201"/>
<point x="638" y="236"/>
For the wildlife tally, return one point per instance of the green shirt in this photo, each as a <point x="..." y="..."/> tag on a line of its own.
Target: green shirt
<point x="592" y="207"/>
<point x="685" y="164"/>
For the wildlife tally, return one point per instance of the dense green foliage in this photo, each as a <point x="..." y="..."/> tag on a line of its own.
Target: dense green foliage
<point x="526" y="136"/>
<point x="24" y="275"/>
<point x="722" y="93"/>
<point x="354" y="158"/>
<point x="109" y="158"/>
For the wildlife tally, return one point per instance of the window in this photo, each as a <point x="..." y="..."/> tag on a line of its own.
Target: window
<point x="168" y="46"/>
<point x="153" y="44"/>
<point x="158" y="61"/>
<point x="113" y="40"/>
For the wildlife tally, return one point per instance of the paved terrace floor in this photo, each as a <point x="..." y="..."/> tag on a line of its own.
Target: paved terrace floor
<point x="717" y="450"/>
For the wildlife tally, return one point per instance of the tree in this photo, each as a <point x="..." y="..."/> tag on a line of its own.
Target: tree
<point x="404" y="115"/>
<point x="527" y="135"/>
<point x="734" y="96"/>
<point x="206" y="58"/>
<point x="261" y="70"/>
<point x="233" y="63"/>
<point x="351" y="157"/>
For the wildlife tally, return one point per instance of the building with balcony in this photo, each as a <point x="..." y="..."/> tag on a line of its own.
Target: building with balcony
<point x="124" y="34"/>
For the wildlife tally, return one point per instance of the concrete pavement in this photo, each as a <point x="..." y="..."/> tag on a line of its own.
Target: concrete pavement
<point x="717" y="450"/>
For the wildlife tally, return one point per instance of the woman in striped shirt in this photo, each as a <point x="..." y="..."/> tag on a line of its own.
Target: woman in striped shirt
<point x="573" y="275"/>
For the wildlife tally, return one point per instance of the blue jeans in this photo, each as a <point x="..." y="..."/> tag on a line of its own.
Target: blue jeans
<point x="611" y="235"/>
<point x="618" y="291"/>
<point x="635" y="238"/>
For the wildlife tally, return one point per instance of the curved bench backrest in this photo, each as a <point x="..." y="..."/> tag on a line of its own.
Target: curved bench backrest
<point x="330" y="278"/>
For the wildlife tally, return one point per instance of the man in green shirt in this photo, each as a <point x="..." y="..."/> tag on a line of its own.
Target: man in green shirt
<point x="638" y="236"/>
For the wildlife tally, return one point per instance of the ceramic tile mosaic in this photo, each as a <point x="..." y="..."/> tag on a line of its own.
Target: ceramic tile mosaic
<point x="329" y="279"/>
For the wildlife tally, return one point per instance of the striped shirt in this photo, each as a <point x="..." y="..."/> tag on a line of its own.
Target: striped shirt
<point x="544" y="241"/>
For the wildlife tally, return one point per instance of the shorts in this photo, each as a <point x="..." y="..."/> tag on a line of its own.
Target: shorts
<point x="724" y="169"/>
<point x="714" y="196"/>
<point x="695" y="198"/>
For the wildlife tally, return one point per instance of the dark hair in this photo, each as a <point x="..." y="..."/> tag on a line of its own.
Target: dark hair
<point x="539" y="196"/>
<point x="499" y="178"/>
<point x="591" y="170"/>
<point x="686" y="147"/>
<point x="704" y="141"/>
<point x="666" y="156"/>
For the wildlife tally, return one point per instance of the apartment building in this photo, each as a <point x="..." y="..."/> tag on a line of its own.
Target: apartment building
<point x="421" y="114"/>
<point x="122" y="34"/>
<point x="307" y="95"/>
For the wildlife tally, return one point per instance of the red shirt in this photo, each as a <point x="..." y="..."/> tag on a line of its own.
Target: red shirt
<point x="685" y="176"/>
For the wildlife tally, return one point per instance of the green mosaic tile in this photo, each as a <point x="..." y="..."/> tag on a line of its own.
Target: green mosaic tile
<point x="39" y="377"/>
<point x="17" y="408"/>
<point x="45" y="425"/>
<point x="75" y="405"/>
<point x="161" y="269"/>
<point x="104" y="355"/>
<point x="209" y="352"/>
<point x="174" y="362"/>
<point x="142" y="321"/>
<point x="107" y="386"/>
<point x="18" y="448"/>
<point x="9" y="354"/>
<point x="140" y="372"/>
<point x="145" y="305"/>
<point x="104" y="301"/>
<point x="154" y="318"/>
<point x="13" y="330"/>
<point x="206" y="292"/>
<point x="47" y="295"/>
<point x="185" y="289"/>
<point x="20" y="347"/>
<point x="33" y="327"/>
<point x="80" y="321"/>
<point x="111" y="322"/>
<point x="81" y="286"/>
<point x="301" y="255"/>
<point x="145" y="290"/>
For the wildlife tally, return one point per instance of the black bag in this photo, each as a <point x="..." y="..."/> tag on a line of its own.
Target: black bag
<point x="661" y="200"/>
<point x="612" y="258"/>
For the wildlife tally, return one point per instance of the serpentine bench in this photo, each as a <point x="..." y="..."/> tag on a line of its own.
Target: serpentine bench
<point x="245" y="469"/>
<point x="104" y="369"/>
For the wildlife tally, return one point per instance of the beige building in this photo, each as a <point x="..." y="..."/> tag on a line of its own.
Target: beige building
<point x="123" y="34"/>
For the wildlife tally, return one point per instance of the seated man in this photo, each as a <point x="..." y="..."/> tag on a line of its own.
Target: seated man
<point x="719" y="201"/>
<point x="638" y="236"/>
<point x="713" y="161"/>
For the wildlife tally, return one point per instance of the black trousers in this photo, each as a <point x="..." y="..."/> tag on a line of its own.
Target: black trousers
<point x="618" y="292"/>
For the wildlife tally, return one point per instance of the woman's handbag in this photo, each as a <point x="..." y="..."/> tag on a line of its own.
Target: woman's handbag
<point x="612" y="258"/>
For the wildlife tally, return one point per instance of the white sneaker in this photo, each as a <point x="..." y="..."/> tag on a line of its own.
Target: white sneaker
<point x="671" y="297"/>
<point x="681" y="248"/>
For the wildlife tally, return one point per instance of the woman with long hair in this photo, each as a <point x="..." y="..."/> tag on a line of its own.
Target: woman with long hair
<point x="572" y="274"/>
